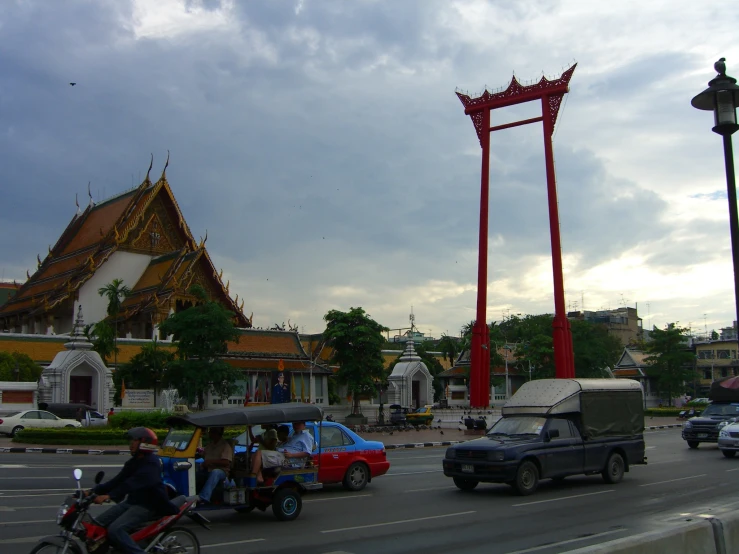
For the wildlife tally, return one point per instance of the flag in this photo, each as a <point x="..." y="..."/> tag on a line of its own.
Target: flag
<point x="302" y="387"/>
<point x="280" y="365"/>
<point x="246" y="394"/>
<point x="123" y="389"/>
<point x="292" y="387"/>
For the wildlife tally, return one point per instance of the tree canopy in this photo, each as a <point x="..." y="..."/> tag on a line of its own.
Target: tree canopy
<point x="201" y="333"/>
<point x="670" y="361"/>
<point x="357" y="342"/>
<point x="29" y="371"/>
<point x="102" y="337"/>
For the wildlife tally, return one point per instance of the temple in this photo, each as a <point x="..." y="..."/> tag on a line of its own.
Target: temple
<point x="139" y="236"/>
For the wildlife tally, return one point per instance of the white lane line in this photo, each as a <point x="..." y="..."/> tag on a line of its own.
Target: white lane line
<point x="430" y="489"/>
<point x="12" y="466"/>
<point x="22" y="540"/>
<point x="14" y="508"/>
<point x="736" y="469"/>
<point x="4" y="496"/>
<point x="420" y="457"/>
<point x="413" y="472"/>
<point x="570" y="541"/>
<point x="68" y="467"/>
<point x="561" y="498"/>
<point x="400" y="522"/>
<point x="337" y="498"/>
<point x="650" y="448"/>
<point x="231" y="543"/>
<point x="22" y="522"/>
<point x="70" y="489"/>
<point x="37" y="478"/>
<point x="674" y="480"/>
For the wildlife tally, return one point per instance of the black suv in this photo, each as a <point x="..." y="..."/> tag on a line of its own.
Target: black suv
<point x="705" y="428"/>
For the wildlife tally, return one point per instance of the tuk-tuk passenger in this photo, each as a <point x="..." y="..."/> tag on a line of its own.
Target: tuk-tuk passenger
<point x="283" y="433"/>
<point x="300" y="445"/>
<point x="216" y="463"/>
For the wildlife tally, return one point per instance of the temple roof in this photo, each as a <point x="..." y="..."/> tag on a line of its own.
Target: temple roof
<point x="129" y="221"/>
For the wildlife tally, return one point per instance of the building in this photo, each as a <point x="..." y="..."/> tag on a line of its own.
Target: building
<point x="623" y="323"/>
<point x="714" y="360"/>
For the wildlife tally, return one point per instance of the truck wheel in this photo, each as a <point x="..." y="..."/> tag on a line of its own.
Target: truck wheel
<point x="465" y="484"/>
<point x="729" y="453"/>
<point x="614" y="470"/>
<point x="286" y="504"/>
<point x="693" y="444"/>
<point x="527" y="478"/>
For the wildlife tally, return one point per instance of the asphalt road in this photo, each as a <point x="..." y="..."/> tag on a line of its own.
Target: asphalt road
<point x="415" y="508"/>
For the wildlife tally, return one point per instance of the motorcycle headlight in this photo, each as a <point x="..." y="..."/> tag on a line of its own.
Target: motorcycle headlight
<point x="496" y="455"/>
<point x="688" y="425"/>
<point x="450" y="453"/>
<point x="63" y="509"/>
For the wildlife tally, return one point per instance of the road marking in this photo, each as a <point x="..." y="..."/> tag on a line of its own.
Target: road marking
<point x="561" y="498"/>
<point x="673" y="480"/>
<point x="230" y="543"/>
<point x="431" y="489"/>
<point x="32" y="495"/>
<point x="413" y="472"/>
<point x="370" y="526"/>
<point x="418" y="457"/>
<point x="553" y="544"/>
<point x="736" y="469"/>
<point x="70" y="466"/>
<point x="22" y="540"/>
<point x="38" y="490"/>
<point x="12" y="466"/>
<point x="336" y="498"/>
<point x="36" y="478"/>
<point x="21" y="522"/>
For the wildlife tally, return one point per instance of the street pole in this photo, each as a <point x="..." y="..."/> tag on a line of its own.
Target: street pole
<point x="733" y="218"/>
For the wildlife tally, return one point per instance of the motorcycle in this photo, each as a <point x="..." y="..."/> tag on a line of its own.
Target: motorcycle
<point x="81" y="534"/>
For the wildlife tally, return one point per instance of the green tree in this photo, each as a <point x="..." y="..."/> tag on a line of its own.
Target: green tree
<point x="147" y="369"/>
<point x="201" y="333"/>
<point x="102" y="337"/>
<point x="18" y="367"/>
<point x="450" y="347"/>
<point x="594" y="349"/>
<point x="357" y="342"/>
<point x="115" y="292"/>
<point x="670" y="361"/>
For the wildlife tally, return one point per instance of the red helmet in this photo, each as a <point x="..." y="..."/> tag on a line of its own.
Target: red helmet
<point x="148" y="438"/>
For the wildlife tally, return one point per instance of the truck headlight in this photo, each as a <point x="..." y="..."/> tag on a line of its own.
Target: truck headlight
<point x="496" y="455"/>
<point x="722" y="425"/>
<point x="450" y="453"/>
<point x="687" y="425"/>
<point x="724" y="434"/>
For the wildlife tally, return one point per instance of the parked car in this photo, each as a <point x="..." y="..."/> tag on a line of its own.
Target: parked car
<point x="421" y="416"/>
<point x="33" y="419"/>
<point x="83" y="413"/>
<point x="345" y="457"/>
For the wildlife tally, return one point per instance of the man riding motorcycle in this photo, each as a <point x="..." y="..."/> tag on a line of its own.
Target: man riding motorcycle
<point x="140" y="479"/>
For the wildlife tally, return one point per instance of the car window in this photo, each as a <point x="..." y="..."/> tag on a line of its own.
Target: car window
<point x="47" y="415"/>
<point x="96" y="415"/>
<point x="561" y="425"/>
<point x="30" y="415"/>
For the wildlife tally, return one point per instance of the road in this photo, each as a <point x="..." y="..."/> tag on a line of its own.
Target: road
<point x="415" y="508"/>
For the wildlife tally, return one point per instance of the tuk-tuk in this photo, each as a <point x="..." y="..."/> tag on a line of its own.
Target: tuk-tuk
<point x="284" y="492"/>
<point x="398" y="414"/>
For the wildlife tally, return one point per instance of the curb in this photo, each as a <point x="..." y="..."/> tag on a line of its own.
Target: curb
<point x="39" y="450"/>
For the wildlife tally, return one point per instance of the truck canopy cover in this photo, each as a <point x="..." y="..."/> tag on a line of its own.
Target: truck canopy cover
<point x="257" y="415"/>
<point x="607" y="406"/>
<point x="722" y="393"/>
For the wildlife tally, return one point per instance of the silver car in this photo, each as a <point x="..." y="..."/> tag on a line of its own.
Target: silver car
<point x="728" y="438"/>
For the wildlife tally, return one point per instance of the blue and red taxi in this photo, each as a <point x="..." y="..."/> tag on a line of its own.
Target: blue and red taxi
<point x="341" y="455"/>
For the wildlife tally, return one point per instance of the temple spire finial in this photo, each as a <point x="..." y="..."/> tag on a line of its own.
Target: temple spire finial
<point x="151" y="164"/>
<point x="89" y="193"/>
<point x="166" y="165"/>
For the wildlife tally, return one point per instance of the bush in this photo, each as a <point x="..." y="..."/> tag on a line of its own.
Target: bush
<point x="128" y="419"/>
<point x="663" y="412"/>
<point x="97" y="436"/>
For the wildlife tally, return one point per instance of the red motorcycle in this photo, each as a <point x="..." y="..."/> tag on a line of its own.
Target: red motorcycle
<point x="81" y="534"/>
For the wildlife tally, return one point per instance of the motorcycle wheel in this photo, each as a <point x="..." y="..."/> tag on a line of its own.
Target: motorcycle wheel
<point x="177" y="540"/>
<point x="49" y="548"/>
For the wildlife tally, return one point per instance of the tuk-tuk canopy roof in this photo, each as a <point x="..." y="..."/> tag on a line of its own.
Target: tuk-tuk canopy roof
<point x="257" y="415"/>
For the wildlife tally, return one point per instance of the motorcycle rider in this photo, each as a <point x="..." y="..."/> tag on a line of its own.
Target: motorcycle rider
<point x="141" y="480"/>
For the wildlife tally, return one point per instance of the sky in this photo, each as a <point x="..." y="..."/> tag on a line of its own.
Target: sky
<point x="322" y="147"/>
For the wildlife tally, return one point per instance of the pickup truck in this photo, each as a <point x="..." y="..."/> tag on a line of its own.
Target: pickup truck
<point x="553" y="428"/>
<point x="723" y="409"/>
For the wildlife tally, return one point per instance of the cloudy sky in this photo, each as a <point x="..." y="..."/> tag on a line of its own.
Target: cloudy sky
<point x="322" y="147"/>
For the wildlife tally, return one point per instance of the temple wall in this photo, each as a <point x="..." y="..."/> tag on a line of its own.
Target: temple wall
<point x="121" y="265"/>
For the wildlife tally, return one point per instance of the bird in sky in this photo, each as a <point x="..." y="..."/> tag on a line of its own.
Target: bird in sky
<point x="72" y="84"/>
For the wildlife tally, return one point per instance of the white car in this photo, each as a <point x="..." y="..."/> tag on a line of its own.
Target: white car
<point x="728" y="437"/>
<point x="37" y="419"/>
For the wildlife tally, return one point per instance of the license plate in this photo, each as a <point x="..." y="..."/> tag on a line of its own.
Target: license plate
<point x="702" y="435"/>
<point x="467" y="468"/>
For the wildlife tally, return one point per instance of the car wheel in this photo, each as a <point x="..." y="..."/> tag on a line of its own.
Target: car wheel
<point x="527" y="478"/>
<point x="465" y="484"/>
<point x="16" y="430"/>
<point x="614" y="470"/>
<point x="286" y="504"/>
<point x="356" y="477"/>
<point x="729" y="453"/>
<point x="693" y="444"/>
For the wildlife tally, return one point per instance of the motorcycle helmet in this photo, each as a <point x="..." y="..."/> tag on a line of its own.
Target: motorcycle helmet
<point x="147" y="437"/>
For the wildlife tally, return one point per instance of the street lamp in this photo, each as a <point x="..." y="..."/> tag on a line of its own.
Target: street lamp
<point x="722" y="98"/>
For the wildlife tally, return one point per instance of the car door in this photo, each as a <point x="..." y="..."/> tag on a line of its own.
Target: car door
<point x="564" y="454"/>
<point x="32" y="420"/>
<point x="334" y="454"/>
<point x="96" y="419"/>
<point x="50" y="420"/>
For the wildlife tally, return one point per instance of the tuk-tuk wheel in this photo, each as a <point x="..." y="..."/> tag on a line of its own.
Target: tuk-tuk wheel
<point x="286" y="504"/>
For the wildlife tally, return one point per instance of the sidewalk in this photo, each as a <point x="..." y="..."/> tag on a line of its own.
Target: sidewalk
<point x="411" y="438"/>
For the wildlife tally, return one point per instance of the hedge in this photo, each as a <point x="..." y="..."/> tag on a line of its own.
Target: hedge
<point x="93" y="436"/>
<point x="129" y="419"/>
<point x="663" y="412"/>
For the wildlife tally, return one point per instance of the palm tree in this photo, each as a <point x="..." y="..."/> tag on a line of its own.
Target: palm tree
<point x="115" y="292"/>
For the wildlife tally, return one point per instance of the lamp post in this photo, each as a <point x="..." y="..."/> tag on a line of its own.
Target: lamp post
<point x="722" y="98"/>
